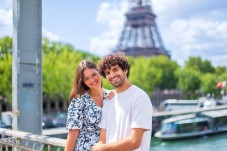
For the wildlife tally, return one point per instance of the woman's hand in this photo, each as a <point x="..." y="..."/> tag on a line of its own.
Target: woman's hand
<point x="111" y="94"/>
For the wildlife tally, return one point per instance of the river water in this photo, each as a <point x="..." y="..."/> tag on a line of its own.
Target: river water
<point x="214" y="142"/>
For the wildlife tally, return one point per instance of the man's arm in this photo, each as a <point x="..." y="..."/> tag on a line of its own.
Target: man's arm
<point x="129" y="143"/>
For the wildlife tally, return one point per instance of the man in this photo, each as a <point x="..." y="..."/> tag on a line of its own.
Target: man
<point x="127" y="118"/>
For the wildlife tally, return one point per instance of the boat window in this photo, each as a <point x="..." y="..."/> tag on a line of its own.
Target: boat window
<point x="168" y="128"/>
<point x="219" y="121"/>
<point x="193" y="126"/>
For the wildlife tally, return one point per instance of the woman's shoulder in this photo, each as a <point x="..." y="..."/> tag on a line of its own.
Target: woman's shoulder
<point x="76" y="100"/>
<point x="80" y="102"/>
<point x="85" y="97"/>
<point x="80" y="99"/>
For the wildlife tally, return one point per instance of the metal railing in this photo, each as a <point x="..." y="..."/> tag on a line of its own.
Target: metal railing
<point x="24" y="141"/>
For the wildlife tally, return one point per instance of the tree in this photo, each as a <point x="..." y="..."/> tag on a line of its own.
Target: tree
<point x="59" y="67"/>
<point x="59" y="62"/>
<point x="168" y="68"/>
<point x="6" y="77"/>
<point x="189" y="81"/>
<point x="5" y="47"/>
<point x="208" y="83"/>
<point x="57" y="47"/>
<point x="197" y="64"/>
<point x="144" y="75"/>
<point x="220" y="70"/>
<point x="6" y="68"/>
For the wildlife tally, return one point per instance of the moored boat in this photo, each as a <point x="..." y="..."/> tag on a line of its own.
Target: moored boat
<point x="191" y="125"/>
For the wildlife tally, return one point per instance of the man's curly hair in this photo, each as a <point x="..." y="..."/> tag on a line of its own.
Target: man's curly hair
<point x="111" y="60"/>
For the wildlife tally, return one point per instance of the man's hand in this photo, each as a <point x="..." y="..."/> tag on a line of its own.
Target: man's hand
<point x="98" y="147"/>
<point x="102" y="141"/>
<point x="126" y="144"/>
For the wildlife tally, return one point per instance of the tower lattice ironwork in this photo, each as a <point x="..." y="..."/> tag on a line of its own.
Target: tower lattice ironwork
<point x="140" y="35"/>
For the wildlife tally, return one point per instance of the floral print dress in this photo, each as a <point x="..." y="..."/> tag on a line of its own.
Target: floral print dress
<point x="85" y="115"/>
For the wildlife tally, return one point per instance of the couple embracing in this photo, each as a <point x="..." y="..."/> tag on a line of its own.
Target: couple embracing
<point x="102" y="120"/>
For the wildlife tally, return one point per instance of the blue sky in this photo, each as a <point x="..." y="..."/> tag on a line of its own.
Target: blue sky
<point x="187" y="27"/>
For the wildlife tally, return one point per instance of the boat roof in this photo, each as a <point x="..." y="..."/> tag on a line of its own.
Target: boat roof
<point x="175" y="101"/>
<point x="178" y="118"/>
<point x="216" y="113"/>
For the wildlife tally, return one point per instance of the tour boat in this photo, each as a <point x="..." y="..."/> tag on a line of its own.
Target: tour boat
<point x="194" y="124"/>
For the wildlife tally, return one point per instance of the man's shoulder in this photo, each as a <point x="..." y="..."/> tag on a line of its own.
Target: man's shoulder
<point x="139" y="91"/>
<point x="140" y="95"/>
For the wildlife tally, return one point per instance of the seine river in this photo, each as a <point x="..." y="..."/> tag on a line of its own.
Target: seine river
<point x="215" y="142"/>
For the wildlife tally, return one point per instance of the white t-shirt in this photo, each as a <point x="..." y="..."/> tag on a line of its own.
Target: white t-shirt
<point x="126" y="110"/>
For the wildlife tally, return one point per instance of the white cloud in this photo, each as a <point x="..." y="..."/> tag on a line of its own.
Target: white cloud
<point x="193" y="28"/>
<point x="219" y="60"/>
<point x="111" y="14"/>
<point x="197" y="38"/>
<point x="5" y="22"/>
<point x="50" y="35"/>
<point x="172" y="9"/>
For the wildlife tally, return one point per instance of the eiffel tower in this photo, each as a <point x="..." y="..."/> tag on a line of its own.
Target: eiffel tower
<point x="140" y="35"/>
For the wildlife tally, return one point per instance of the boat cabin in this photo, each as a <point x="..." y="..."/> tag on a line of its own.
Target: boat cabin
<point x="195" y="124"/>
<point x="184" y="124"/>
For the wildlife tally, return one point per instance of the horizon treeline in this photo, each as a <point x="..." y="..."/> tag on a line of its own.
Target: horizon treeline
<point x="59" y="62"/>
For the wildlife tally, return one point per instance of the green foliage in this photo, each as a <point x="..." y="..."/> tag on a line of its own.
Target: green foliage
<point x="220" y="70"/>
<point x="59" y="65"/>
<point x="188" y="81"/>
<point x="106" y="84"/>
<point x="5" y="47"/>
<point x="208" y="84"/>
<point x="144" y="75"/>
<point x="223" y="76"/>
<point x="196" y="63"/>
<point x="56" y="47"/>
<point x="168" y="68"/>
<point x="6" y="77"/>
<point x="59" y="62"/>
<point x="6" y="68"/>
<point x="58" y="74"/>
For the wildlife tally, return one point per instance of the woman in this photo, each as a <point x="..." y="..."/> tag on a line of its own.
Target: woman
<point x="84" y="112"/>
